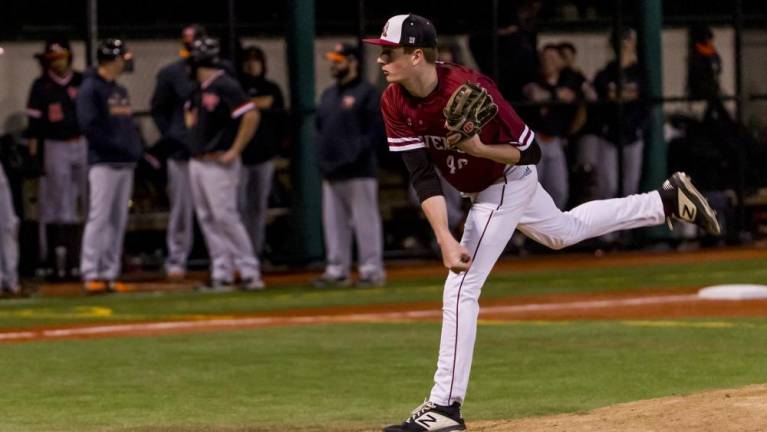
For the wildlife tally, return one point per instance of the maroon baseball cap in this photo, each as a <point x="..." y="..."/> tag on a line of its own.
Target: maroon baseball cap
<point x="407" y="30"/>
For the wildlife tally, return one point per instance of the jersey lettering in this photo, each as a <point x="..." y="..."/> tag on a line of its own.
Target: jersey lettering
<point x="439" y="143"/>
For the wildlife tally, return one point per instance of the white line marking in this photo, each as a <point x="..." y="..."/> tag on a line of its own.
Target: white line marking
<point x="245" y="322"/>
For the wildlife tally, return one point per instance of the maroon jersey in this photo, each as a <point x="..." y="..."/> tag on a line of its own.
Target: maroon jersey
<point x="413" y="123"/>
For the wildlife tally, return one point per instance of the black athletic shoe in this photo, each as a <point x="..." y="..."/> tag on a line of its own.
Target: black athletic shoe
<point x="686" y="203"/>
<point x="431" y="417"/>
<point x="327" y="281"/>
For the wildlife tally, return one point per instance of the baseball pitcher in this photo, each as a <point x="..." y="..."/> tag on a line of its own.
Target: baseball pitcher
<point x="441" y="116"/>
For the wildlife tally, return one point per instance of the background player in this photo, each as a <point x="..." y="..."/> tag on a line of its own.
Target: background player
<point x="173" y="89"/>
<point x="222" y="120"/>
<point x="496" y="168"/>
<point x="258" y="156"/>
<point x="114" y="147"/>
<point x="9" y="241"/>
<point x="349" y="128"/>
<point x="55" y="137"/>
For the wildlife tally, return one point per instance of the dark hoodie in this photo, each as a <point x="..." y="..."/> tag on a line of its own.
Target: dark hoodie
<point x="106" y="119"/>
<point x="349" y="130"/>
<point x="271" y="130"/>
<point x="173" y="89"/>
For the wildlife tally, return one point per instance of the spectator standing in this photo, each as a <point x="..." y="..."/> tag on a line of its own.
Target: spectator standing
<point x="704" y="64"/>
<point x="552" y="122"/>
<point x="114" y="146"/>
<point x="629" y="131"/>
<point x="349" y="129"/>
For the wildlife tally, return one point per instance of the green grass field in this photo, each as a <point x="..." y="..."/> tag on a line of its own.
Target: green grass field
<point x="359" y="377"/>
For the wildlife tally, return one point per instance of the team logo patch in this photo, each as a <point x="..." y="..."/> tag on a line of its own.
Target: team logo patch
<point x="55" y="113"/>
<point x="210" y="101"/>
<point x="72" y="92"/>
<point x="468" y="127"/>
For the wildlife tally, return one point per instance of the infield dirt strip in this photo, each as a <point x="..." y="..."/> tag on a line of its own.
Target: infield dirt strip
<point x="628" y="305"/>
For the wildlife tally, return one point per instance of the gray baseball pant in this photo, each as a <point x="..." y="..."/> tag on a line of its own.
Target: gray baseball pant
<point x="111" y="187"/>
<point x="180" y="233"/>
<point x="64" y="188"/>
<point x="453" y="202"/>
<point x="214" y="188"/>
<point x="351" y="206"/>
<point x="603" y="156"/>
<point x="255" y="186"/>
<point x="552" y="170"/>
<point x="9" y="232"/>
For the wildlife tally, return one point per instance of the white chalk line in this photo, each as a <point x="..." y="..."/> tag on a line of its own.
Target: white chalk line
<point x="245" y="322"/>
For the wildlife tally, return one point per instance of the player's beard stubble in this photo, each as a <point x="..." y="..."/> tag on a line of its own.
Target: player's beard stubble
<point x="339" y="72"/>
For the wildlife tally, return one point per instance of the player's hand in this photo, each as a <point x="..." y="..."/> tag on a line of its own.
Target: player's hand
<point x="226" y="158"/>
<point x="455" y="256"/>
<point x="472" y="146"/>
<point x="565" y="94"/>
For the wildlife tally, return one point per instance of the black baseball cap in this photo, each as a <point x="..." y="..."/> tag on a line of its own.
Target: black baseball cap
<point x="407" y="30"/>
<point x="54" y="49"/>
<point x="343" y="51"/>
<point x="110" y="49"/>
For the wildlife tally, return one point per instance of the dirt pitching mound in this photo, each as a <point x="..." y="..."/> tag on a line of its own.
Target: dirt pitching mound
<point x="741" y="410"/>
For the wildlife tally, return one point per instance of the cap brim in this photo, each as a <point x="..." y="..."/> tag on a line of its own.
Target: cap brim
<point x="379" y="42"/>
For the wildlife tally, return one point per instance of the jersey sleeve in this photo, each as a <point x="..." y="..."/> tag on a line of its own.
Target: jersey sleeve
<point x="36" y="108"/>
<point x="399" y="135"/>
<point x="235" y="98"/>
<point x="511" y="129"/>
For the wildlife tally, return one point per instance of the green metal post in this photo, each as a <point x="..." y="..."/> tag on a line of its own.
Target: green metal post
<point x="656" y="148"/>
<point x="655" y="164"/>
<point x="306" y="244"/>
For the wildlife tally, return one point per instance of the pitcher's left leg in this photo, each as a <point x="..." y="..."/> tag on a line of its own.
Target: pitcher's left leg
<point x="546" y="224"/>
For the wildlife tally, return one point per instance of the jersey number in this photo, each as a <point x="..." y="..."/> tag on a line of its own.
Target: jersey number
<point x="455" y="163"/>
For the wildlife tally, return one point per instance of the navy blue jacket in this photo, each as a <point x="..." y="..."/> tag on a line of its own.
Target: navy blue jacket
<point x="349" y="131"/>
<point x="106" y="119"/>
<point x="174" y="87"/>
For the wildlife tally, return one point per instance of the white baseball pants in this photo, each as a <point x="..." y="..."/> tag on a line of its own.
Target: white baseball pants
<point x="517" y="202"/>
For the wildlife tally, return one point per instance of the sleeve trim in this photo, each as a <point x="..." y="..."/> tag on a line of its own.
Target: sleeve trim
<point x="526" y="138"/>
<point x="403" y="140"/>
<point x="242" y="109"/>
<point x="34" y="113"/>
<point x="406" y="147"/>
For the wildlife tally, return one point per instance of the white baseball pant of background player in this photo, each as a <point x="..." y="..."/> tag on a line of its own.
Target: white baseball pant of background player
<point x="64" y="187"/>
<point x="111" y="187"/>
<point x="180" y="235"/>
<point x="214" y="188"/>
<point x="517" y="202"/>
